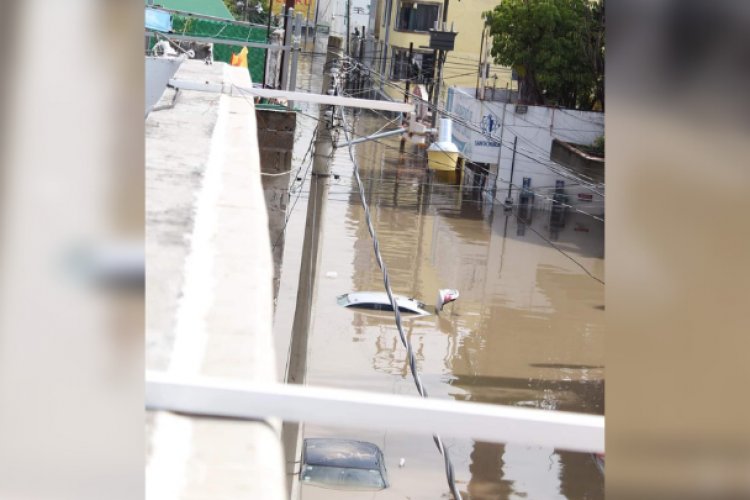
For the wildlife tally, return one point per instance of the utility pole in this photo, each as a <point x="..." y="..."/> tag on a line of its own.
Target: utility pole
<point x="307" y="22"/>
<point x="502" y="130"/>
<point x="287" y="52"/>
<point x="477" y="94"/>
<point x="508" y="199"/>
<point x="360" y="73"/>
<point x="292" y="83"/>
<point x="436" y="87"/>
<point x="402" y="146"/>
<point x="384" y="56"/>
<point x="440" y="58"/>
<point x="348" y="27"/>
<point x="315" y="208"/>
<point x="323" y="152"/>
<point x="315" y="22"/>
<point x="268" y="40"/>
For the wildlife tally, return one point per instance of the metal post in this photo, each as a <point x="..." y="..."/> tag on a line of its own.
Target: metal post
<point x="477" y="94"/>
<point x="509" y="200"/>
<point x="315" y="23"/>
<point x="288" y="20"/>
<point x="402" y="146"/>
<point x="383" y="65"/>
<point x="436" y="87"/>
<point x="360" y="73"/>
<point x="295" y="57"/>
<point x="502" y="130"/>
<point x="291" y="433"/>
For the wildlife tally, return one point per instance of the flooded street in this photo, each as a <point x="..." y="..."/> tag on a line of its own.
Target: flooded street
<point x="527" y="330"/>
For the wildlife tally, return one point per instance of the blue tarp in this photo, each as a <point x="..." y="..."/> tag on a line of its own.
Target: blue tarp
<point x="158" y="20"/>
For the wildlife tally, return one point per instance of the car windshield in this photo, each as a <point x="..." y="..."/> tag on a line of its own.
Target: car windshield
<point x="342" y="477"/>
<point x="343" y="464"/>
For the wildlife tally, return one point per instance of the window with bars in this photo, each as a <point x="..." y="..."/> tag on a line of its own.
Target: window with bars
<point x="417" y="16"/>
<point x="418" y="70"/>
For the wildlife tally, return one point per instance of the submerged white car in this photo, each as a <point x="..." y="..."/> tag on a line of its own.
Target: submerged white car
<point x="378" y="301"/>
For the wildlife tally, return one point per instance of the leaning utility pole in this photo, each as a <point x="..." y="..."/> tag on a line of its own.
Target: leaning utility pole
<point x="322" y="155"/>
<point x="315" y="209"/>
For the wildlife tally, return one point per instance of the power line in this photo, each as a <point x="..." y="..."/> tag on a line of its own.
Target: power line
<point x="387" y="283"/>
<point x="516" y="186"/>
<point x="475" y="128"/>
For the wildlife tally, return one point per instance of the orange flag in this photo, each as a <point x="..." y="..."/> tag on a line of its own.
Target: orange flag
<point x="239" y="59"/>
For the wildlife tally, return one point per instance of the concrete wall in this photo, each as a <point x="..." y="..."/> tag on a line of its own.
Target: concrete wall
<point x="208" y="287"/>
<point x="584" y="164"/>
<point x="158" y="72"/>
<point x="535" y="129"/>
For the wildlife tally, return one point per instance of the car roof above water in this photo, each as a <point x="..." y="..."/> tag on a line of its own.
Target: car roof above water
<point x="367" y="300"/>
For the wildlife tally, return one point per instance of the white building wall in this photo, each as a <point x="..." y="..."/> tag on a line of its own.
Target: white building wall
<point x="535" y="129"/>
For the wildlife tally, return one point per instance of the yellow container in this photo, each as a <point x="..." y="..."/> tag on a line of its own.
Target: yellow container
<point x="444" y="161"/>
<point x="442" y="155"/>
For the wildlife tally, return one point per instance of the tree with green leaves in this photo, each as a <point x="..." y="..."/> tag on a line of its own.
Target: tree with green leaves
<point x="556" y="48"/>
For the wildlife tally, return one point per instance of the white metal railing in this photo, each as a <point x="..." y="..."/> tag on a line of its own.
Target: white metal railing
<point x="226" y="398"/>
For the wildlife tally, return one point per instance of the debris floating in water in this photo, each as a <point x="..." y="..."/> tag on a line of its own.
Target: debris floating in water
<point x="402" y="462"/>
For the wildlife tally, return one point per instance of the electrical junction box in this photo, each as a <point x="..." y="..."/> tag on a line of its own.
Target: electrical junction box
<point x="442" y="40"/>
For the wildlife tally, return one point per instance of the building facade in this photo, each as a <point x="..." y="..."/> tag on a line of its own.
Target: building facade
<point x="399" y="23"/>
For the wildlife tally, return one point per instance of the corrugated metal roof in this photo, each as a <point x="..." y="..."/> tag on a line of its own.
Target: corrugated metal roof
<point x="214" y="8"/>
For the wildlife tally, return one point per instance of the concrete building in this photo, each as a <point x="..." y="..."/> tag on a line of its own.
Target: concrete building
<point x="409" y="22"/>
<point x="482" y="125"/>
<point x="208" y="284"/>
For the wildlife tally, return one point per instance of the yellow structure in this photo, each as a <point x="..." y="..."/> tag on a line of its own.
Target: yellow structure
<point x="410" y="22"/>
<point x="442" y="154"/>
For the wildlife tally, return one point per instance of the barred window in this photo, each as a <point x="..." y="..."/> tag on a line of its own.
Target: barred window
<point x="416" y="16"/>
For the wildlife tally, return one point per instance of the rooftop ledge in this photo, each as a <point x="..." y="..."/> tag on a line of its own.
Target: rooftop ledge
<point x="209" y="285"/>
<point x="568" y="155"/>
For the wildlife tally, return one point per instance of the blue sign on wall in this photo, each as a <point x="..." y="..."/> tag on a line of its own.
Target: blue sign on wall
<point x="158" y="20"/>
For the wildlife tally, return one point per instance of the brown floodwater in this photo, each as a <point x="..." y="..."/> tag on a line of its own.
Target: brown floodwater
<point x="528" y="329"/>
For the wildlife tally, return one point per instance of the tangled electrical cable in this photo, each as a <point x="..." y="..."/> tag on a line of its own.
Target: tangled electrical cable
<point x="554" y="167"/>
<point x="449" y="472"/>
